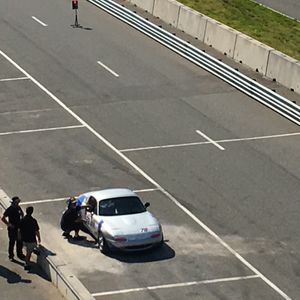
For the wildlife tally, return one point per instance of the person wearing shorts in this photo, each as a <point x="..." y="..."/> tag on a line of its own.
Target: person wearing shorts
<point x="30" y="233"/>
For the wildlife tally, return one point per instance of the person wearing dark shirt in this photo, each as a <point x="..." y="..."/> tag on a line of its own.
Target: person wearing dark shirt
<point x="12" y="217"/>
<point x="71" y="220"/>
<point x="30" y="230"/>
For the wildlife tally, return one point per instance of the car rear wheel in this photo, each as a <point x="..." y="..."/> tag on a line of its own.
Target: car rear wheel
<point x="102" y="244"/>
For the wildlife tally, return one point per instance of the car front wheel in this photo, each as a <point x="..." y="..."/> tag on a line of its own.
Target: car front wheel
<point x="102" y="244"/>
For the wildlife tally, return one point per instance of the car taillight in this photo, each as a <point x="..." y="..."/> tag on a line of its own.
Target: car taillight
<point x="120" y="239"/>
<point x="155" y="235"/>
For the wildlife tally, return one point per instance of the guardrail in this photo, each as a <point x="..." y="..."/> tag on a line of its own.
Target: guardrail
<point x="243" y="83"/>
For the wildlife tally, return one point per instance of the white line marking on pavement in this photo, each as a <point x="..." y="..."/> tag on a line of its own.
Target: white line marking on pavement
<point x="66" y="198"/>
<point x="39" y="21"/>
<point x="210" y="140"/>
<point x="146" y="190"/>
<point x="107" y="68"/>
<point x="168" y="286"/>
<point x="44" y="201"/>
<point x="41" y="130"/>
<point x="203" y="143"/>
<point x="13" y="79"/>
<point x="150" y="179"/>
<point x="25" y="111"/>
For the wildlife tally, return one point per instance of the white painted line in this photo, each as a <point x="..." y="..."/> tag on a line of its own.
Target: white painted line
<point x="146" y="190"/>
<point x="152" y="181"/>
<point x="163" y="146"/>
<point x="44" y="201"/>
<point x="107" y="68"/>
<point x="13" y="79"/>
<point x="219" y="141"/>
<point x="40" y="130"/>
<point x="39" y="21"/>
<point x="175" y="285"/>
<point x="26" y="111"/>
<point x="259" y="137"/>
<point x="210" y="140"/>
<point x="66" y="198"/>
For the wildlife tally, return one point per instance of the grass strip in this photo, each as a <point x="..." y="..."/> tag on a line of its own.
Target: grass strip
<point x="267" y="26"/>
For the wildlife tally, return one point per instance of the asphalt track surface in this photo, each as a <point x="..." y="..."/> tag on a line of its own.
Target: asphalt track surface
<point x="288" y="7"/>
<point x="220" y="170"/>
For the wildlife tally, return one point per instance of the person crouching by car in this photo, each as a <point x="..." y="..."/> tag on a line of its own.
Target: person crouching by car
<point x="30" y="230"/>
<point x="71" y="220"/>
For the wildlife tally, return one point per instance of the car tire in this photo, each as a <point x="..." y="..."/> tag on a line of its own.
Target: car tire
<point x="102" y="244"/>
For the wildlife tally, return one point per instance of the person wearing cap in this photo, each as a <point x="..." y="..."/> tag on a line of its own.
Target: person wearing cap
<point x="12" y="217"/>
<point x="71" y="220"/>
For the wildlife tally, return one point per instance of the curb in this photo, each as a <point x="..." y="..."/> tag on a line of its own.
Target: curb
<point x="55" y="268"/>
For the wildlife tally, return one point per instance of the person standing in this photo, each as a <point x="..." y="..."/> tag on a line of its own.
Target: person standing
<point x="12" y="218"/>
<point x="30" y="233"/>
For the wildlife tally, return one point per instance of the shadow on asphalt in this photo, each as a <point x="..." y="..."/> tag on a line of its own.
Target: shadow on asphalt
<point x="12" y="277"/>
<point x="162" y="252"/>
<point x="81" y="27"/>
<point x="83" y="243"/>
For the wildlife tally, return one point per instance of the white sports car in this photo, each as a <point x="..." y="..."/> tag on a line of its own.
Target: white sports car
<point x="118" y="219"/>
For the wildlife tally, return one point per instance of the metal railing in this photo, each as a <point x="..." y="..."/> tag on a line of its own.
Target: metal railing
<point x="233" y="77"/>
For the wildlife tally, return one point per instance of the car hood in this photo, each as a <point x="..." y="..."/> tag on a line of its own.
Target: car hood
<point x="130" y="224"/>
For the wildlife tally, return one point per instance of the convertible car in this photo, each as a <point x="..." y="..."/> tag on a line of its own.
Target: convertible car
<point x="118" y="219"/>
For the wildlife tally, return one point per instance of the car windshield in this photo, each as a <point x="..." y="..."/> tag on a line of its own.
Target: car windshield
<point x="121" y="206"/>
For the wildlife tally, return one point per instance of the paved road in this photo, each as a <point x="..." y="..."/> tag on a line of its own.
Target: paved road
<point x="287" y="7"/>
<point x="73" y="124"/>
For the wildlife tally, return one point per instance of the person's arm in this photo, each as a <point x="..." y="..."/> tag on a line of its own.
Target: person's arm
<point x="37" y="231"/>
<point x="4" y="220"/>
<point x="38" y="235"/>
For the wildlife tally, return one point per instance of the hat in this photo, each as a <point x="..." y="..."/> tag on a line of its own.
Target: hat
<point x="14" y="199"/>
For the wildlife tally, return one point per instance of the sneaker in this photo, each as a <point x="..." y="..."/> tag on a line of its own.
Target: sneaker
<point x="22" y="257"/>
<point x="27" y="267"/>
<point x="11" y="258"/>
<point x="78" y="238"/>
<point x="66" y="234"/>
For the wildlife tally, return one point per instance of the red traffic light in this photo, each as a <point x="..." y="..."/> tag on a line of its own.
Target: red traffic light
<point x="74" y="4"/>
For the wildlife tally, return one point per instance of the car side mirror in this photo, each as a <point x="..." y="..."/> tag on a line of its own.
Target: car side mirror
<point x="147" y="204"/>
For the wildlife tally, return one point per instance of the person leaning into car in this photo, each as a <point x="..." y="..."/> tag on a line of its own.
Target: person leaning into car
<point x="12" y="218"/>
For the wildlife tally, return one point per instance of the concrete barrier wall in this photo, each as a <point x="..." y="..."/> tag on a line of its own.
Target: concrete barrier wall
<point x="236" y="45"/>
<point x="167" y="10"/>
<point x="192" y="22"/>
<point x="147" y="5"/>
<point x="252" y="53"/>
<point x="285" y="70"/>
<point x="220" y="37"/>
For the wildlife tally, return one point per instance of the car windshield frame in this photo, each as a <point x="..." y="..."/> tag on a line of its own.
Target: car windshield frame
<point x="121" y="206"/>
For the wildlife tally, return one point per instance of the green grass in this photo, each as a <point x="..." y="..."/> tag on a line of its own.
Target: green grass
<point x="262" y="24"/>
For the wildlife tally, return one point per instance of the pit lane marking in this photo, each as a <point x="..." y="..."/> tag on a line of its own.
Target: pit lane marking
<point x="39" y="21"/>
<point x="107" y="68"/>
<point x="150" y="179"/>
<point x="66" y="198"/>
<point x="40" y="130"/>
<point x="26" y="111"/>
<point x="210" y="140"/>
<point x="175" y="285"/>
<point x="13" y="79"/>
<point x="207" y="142"/>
